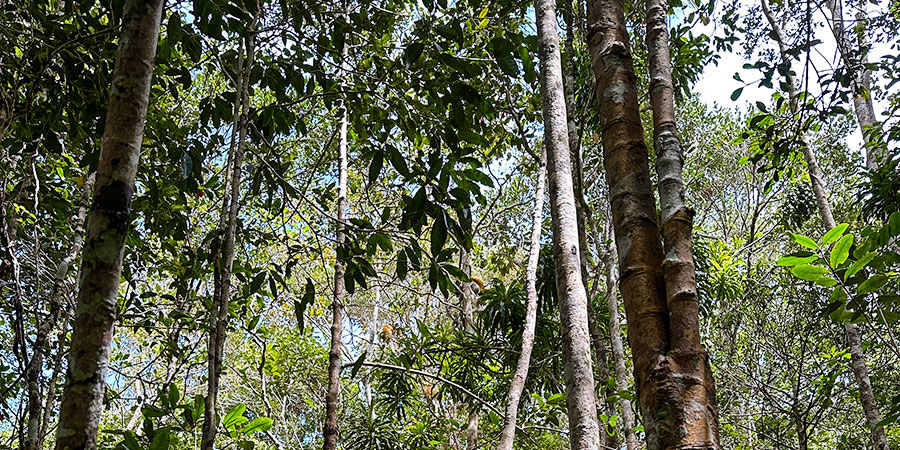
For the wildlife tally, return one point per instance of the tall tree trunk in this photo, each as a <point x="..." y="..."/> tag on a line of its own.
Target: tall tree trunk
<point x="584" y="430"/>
<point x="218" y="314"/>
<point x="615" y="337"/>
<point x="689" y="358"/>
<point x="467" y="295"/>
<point x="672" y="376"/>
<point x="852" y="331"/>
<point x="34" y="435"/>
<point x="517" y="385"/>
<point x="333" y="394"/>
<point x="107" y="224"/>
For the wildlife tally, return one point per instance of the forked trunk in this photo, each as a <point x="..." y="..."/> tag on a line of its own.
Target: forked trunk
<point x="584" y="430"/>
<point x="517" y="385"/>
<point x="107" y="224"/>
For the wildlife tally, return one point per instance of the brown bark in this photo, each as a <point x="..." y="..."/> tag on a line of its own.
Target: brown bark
<point x="218" y="314"/>
<point x="517" y="385"/>
<point x="857" y="358"/>
<point x="333" y="394"/>
<point x="672" y="376"/>
<point x="107" y="224"/>
<point x="584" y="432"/>
<point x="618" y="350"/>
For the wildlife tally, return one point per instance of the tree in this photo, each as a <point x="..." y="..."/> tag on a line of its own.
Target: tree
<point x="580" y="399"/>
<point x="107" y="224"/>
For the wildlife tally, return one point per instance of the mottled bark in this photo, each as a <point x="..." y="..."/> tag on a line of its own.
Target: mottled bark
<point x="858" y="360"/>
<point x="672" y="378"/>
<point x="218" y="314"/>
<point x="517" y="385"/>
<point x="693" y="385"/>
<point x="584" y="430"/>
<point x="107" y="224"/>
<point x="331" y="429"/>
<point x="615" y="337"/>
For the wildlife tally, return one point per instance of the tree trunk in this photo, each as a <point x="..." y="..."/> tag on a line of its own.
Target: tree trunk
<point x="107" y="224"/>
<point x="517" y="385"/>
<point x="615" y="337"/>
<point x="333" y="394"/>
<point x="691" y="362"/>
<point x="672" y="375"/>
<point x="852" y="331"/>
<point x="584" y="430"/>
<point x="34" y="435"/>
<point x="218" y="314"/>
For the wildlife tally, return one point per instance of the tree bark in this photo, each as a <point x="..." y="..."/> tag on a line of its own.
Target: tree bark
<point x="615" y="337"/>
<point x="333" y="394"/>
<point x="584" y="430"/>
<point x="672" y="375"/>
<point x="517" y="385"/>
<point x="698" y="414"/>
<point x="107" y="224"/>
<point x="852" y="331"/>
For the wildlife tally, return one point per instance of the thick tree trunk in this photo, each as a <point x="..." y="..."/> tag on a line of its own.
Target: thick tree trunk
<point x="218" y="314"/>
<point x="517" y="385"/>
<point x="672" y="377"/>
<point x="698" y="414"/>
<point x="107" y="224"/>
<point x="333" y="394"/>
<point x="584" y="430"/>
<point x="852" y="331"/>
<point x="615" y="337"/>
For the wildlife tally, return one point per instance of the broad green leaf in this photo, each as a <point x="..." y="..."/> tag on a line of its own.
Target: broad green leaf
<point x="834" y="233"/>
<point x="737" y="93"/>
<point x="894" y="222"/>
<point x="841" y="251"/>
<point x="872" y="284"/>
<point x="808" y="272"/>
<point x="858" y="265"/>
<point x="160" y="440"/>
<point x="438" y="234"/>
<point x="149" y="411"/>
<point x="826" y="281"/>
<point x="413" y="52"/>
<point x="790" y="261"/>
<point x="402" y="266"/>
<point x="235" y="416"/>
<point x="375" y="166"/>
<point x="805" y="241"/>
<point x="259" y="424"/>
<point x="357" y="365"/>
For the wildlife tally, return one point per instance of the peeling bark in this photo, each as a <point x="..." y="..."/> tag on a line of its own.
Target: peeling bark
<point x="584" y="430"/>
<point x="517" y="385"/>
<point x="107" y="224"/>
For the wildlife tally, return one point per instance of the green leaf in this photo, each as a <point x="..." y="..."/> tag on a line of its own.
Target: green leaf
<point x="737" y="93"/>
<point x="834" y="233"/>
<point x="257" y="282"/>
<point x="438" y="234"/>
<point x="841" y="251"/>
<point x="375" y="166"/>
<point x="412" y="53"/>
<point x="160" y="440"/>
<point x="872" y="284"/>
<point x="309" y="296"/>
<point x="894" y="221"/>
<point x="402" y="265"/>
<point x="826" y="281"/>
<point x="790" y="261"/>
<point x="805" y="241"/>
<point x="858" y="265"/>
<point x="235" y="416"/>
<point x="259" y="424"/>
<point x="149" y="411"/>
<point x="357" y="365"/>
<point x="808" y="272"/>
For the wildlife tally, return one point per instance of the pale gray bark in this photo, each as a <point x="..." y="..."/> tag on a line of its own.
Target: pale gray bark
<point x="584" y="430"/>
<point x="107" y="224"/>
<point x="517" y="385"/>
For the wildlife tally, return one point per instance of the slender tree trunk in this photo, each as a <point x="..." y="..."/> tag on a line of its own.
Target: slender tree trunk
<point x="584" y="430"/>
<point x="697" y="391"/>
<point x="333" y="395"/>
<point x="517" y="385"/>
<point x="615" y="337"/>
<point x="672" y="375"/>
<point x="34" y="435"/>
<point x="218" y="314"/>
<point x="107" y="223"/>
<point x="852" y="331"/>
<point x="855" y="61"/>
